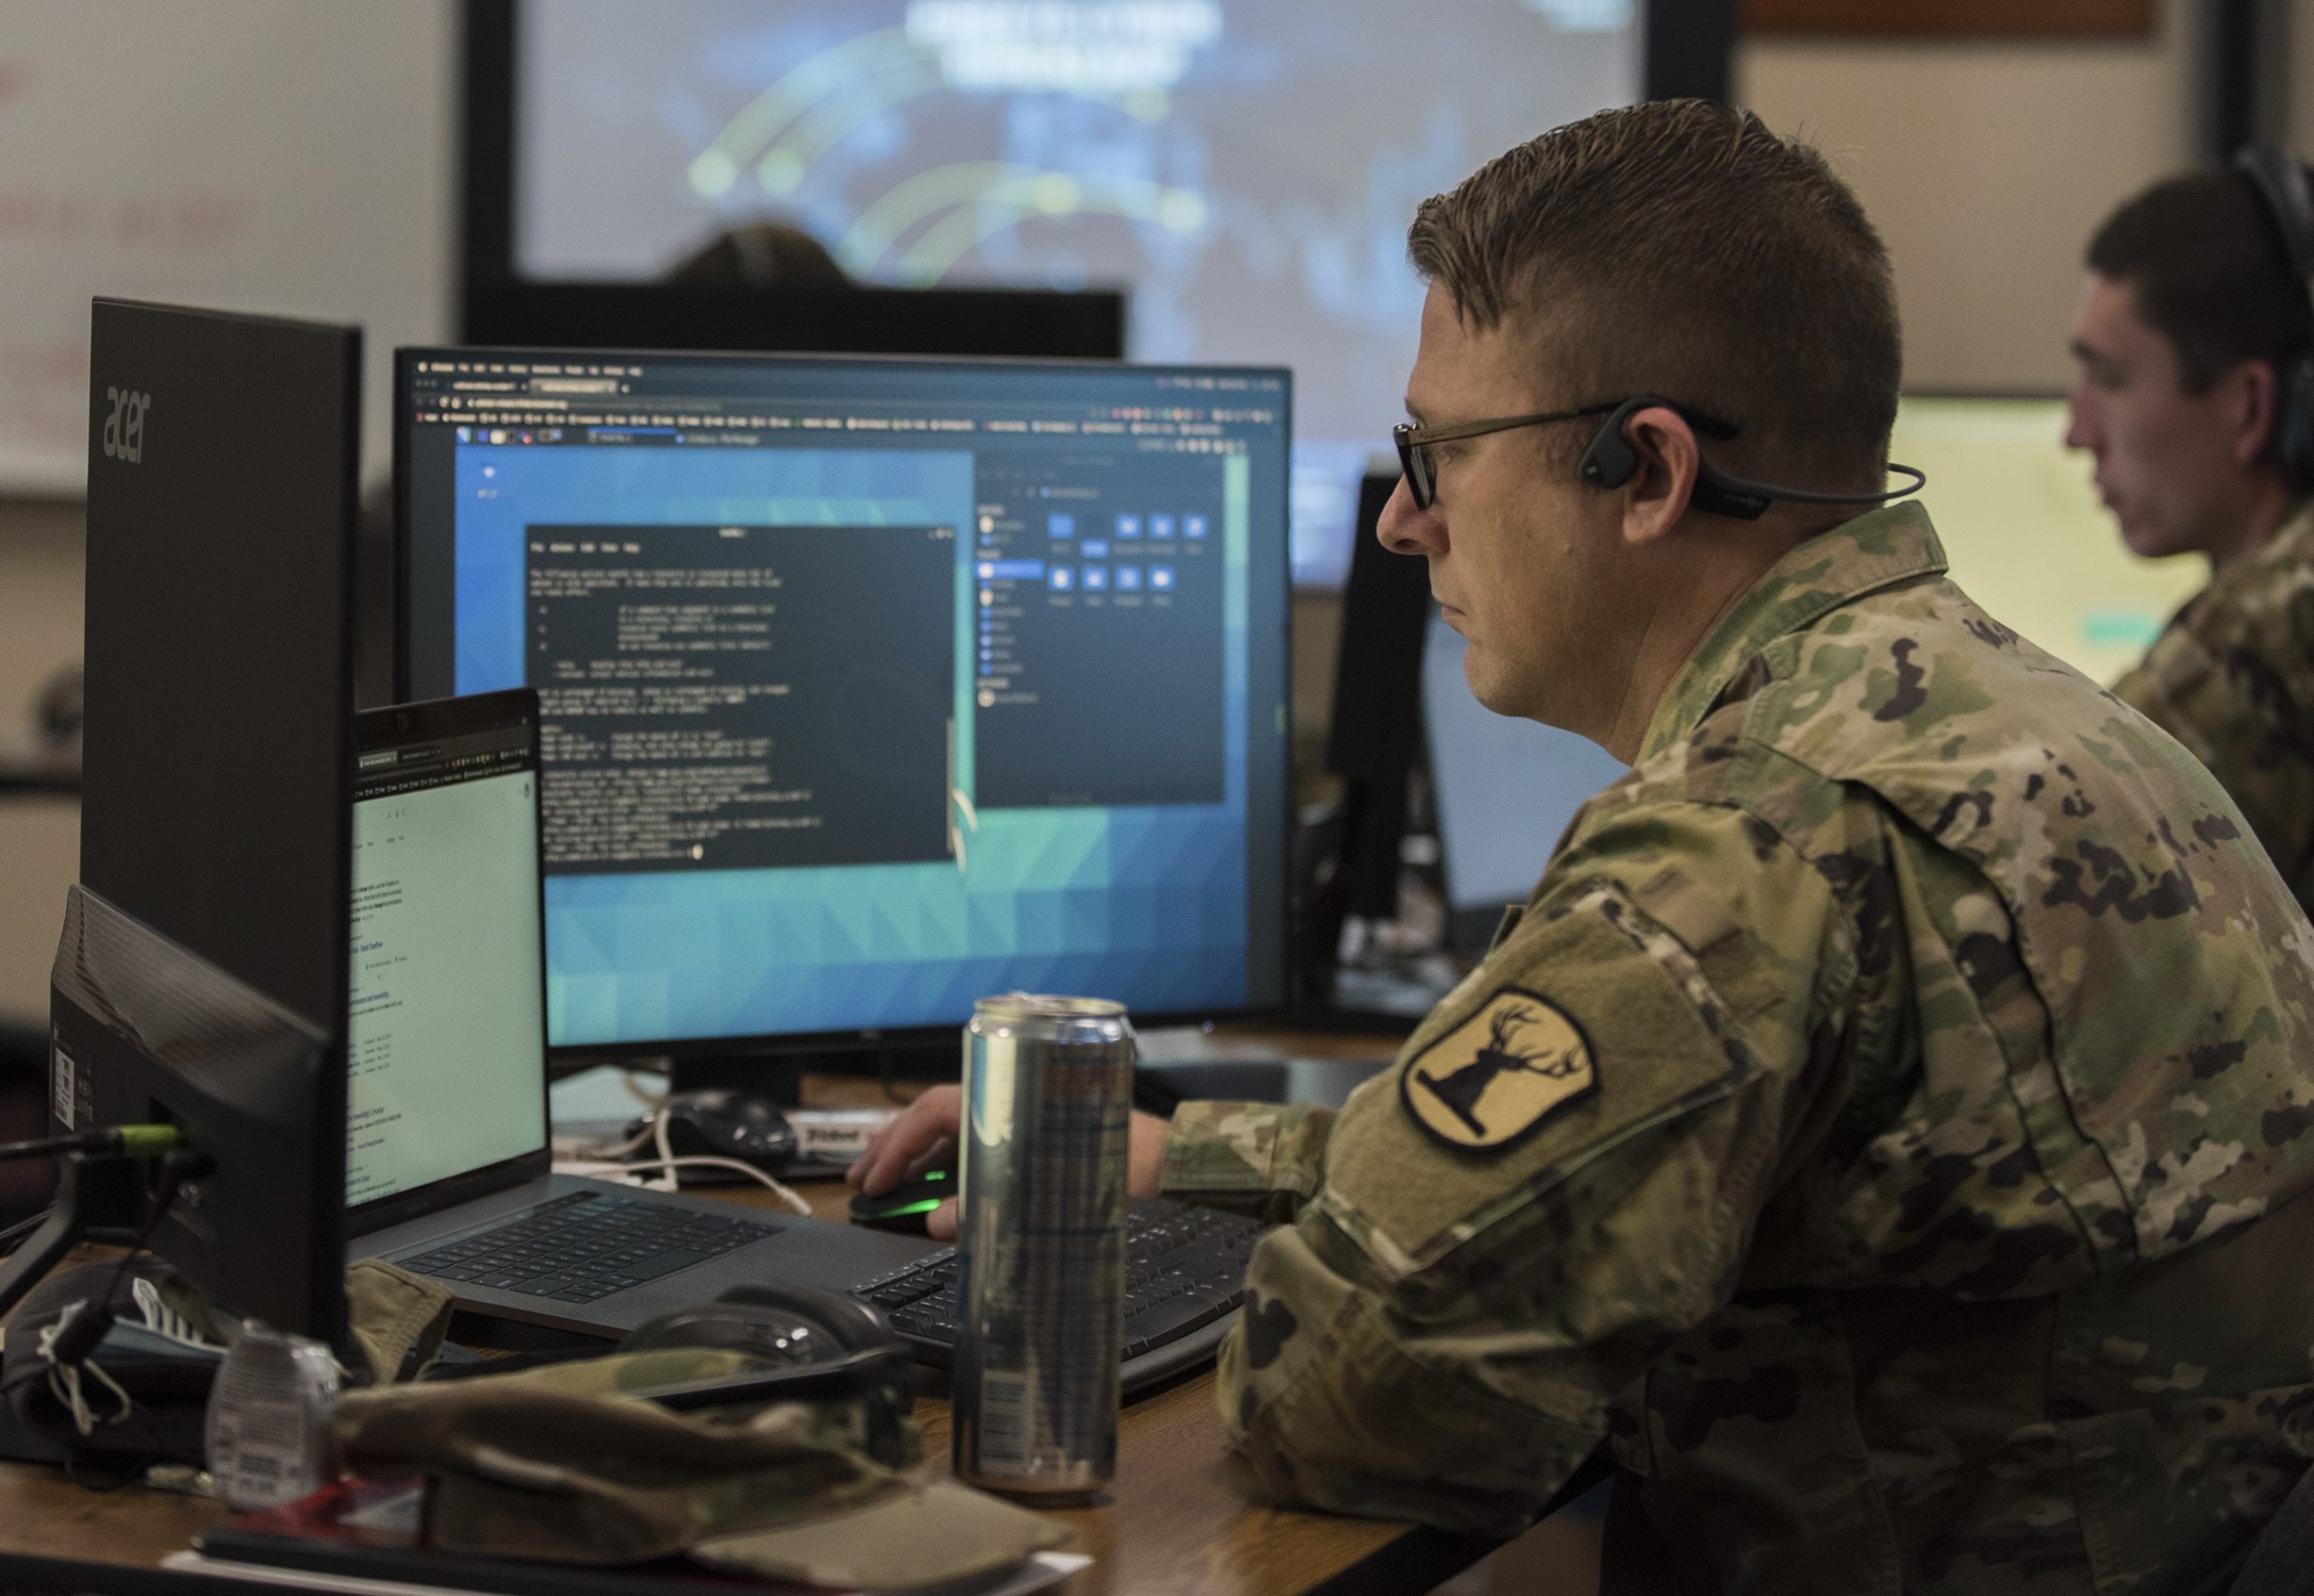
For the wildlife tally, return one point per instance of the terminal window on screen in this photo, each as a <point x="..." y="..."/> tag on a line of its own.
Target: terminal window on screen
<point x="675" y="660"/>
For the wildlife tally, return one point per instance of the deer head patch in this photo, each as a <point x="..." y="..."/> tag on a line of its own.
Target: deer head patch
<point x="1494" y="1079"/>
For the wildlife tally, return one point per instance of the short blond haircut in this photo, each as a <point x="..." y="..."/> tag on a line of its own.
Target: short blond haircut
<point x="1680" y="248"/>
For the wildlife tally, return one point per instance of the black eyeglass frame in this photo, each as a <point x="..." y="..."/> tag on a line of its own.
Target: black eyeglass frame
<point x="1414" y="442"/>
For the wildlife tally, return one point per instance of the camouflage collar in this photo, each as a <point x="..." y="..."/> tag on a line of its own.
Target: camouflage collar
<point x="2291" y="544"/>
<point x="1829" y="570"/>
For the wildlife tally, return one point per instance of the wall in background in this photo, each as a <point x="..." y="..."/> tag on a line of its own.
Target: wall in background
<point x="1985" y="165"/>
<point x="40" y="835"/>
<point x="266" y="155"/>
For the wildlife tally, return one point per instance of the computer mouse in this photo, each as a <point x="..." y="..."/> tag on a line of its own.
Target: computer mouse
<point x="724" y="1122"/>
<point x="908" y="1206"/>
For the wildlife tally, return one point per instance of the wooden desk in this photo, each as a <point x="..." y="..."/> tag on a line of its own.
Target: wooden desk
<point x="1177" y="1518"/>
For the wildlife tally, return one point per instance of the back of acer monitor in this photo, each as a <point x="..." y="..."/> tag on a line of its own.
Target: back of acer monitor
<point x="204" y="974"/>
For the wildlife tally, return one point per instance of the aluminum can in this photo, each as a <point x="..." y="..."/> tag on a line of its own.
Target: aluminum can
<point x="1040" y="1249"/>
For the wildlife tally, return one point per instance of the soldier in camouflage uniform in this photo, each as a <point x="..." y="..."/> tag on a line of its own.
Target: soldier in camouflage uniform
<point x="2189" y="314"/>
<point x="1878" y="1134"/>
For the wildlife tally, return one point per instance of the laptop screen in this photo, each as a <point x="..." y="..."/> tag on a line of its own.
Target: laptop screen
<point x="447" y="1047"/>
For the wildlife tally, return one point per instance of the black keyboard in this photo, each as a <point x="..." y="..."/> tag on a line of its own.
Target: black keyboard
<point x="586" y="1245"/>
<point x="1184" y="1278"/>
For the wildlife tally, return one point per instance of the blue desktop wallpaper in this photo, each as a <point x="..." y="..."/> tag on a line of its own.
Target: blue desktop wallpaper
<point x="1145" y="904"/>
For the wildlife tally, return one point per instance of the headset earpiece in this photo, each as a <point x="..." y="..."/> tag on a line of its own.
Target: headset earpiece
<point x="1610" y="461"/>
<point x="2294" y="420"/>
<point x="2278" y="180"/>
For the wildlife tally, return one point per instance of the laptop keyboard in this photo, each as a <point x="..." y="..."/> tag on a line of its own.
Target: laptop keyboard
<point x="1185" y="1272"/>
<point x="586" y="1245"/>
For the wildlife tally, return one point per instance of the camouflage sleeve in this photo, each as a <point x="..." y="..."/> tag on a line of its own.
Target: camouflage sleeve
<point x="2229" y="679"/>
<point x="1559" y="1177"/>
<point x="1260" y="1159"/>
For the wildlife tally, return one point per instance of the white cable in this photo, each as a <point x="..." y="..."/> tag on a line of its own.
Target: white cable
<point x="64" y="1379"/>
<point x="612" y="1151"/>
<point x="613" y="1171"/>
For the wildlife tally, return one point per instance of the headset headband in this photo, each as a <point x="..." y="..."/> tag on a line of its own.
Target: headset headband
<point x="2278" y="180"/>
<point x="1610" y="459"/>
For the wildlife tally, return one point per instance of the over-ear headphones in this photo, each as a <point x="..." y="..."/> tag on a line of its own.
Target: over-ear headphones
<point x="1610" y="460"/>
<point x="2278" y="180"/>
<point x="824" y="1349"/>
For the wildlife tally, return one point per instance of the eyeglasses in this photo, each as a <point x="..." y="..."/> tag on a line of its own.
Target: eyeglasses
<point x="1414" y="442"/>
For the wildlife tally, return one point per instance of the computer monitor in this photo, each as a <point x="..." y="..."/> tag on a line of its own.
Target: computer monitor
<point x="1375" y="738"/>
<point x="869" y="687"/>
<point x="1088" y="324"/>
<point x="203" y="977"/>
<point x="2027" y="540"/>
<point x="1502" y="790"/>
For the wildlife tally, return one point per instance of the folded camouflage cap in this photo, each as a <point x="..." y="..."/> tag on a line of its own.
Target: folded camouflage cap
<point x="574" y="1463"/>
<point x="395" y="1320"/>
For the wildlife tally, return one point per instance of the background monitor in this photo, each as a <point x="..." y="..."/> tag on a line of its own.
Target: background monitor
<point x="869" y="687"/>
<point x="1000" y="321"/>
<point x="1247" y="171"/>
<point x="1375" y="738"/>
<point x="2027" y="540"/>
<point x="1502" y="790"/>
<point x="203" y="974"/>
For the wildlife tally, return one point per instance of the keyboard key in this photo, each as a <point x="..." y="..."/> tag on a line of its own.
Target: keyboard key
<point x="667" y="1264"/>
<point x="1168" y="1320"/>
<point x="1185" y="1269"/>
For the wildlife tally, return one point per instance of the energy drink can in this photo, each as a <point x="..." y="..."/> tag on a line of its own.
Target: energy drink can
<point x="1040" y="1249"/>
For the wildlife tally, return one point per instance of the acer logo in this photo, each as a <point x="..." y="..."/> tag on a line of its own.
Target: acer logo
<point x="124" y="438"/>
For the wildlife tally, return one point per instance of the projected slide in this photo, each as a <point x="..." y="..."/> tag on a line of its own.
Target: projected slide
<point x="1246" y="170"/>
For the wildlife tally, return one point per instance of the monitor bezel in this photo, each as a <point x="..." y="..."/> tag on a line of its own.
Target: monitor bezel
<point x="565" y="1057"/>
<point x="1685" y="50"/>
<point x="389" y="726"/>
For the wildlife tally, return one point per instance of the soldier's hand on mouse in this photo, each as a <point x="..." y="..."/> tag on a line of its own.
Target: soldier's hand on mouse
<point x="923" y="1137"/>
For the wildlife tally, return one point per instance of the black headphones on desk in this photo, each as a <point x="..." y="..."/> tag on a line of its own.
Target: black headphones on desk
<point x="821" y="1347"/>
<point x="2278" y="180"/>
<point x="1610" y="460"/>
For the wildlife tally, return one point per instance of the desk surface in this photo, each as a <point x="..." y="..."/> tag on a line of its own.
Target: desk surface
<point x="1177" y="1518"/>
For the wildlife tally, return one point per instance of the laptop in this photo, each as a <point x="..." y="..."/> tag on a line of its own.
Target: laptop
<point x="447" y="1133"/>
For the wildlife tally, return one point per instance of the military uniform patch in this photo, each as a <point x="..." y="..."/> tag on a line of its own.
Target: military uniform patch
<point x="1494" y="1079"/>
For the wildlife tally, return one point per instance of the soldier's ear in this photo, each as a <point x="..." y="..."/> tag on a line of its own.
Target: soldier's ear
<point x="1663" y="479"/>
<point x="2254" y="390"/>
